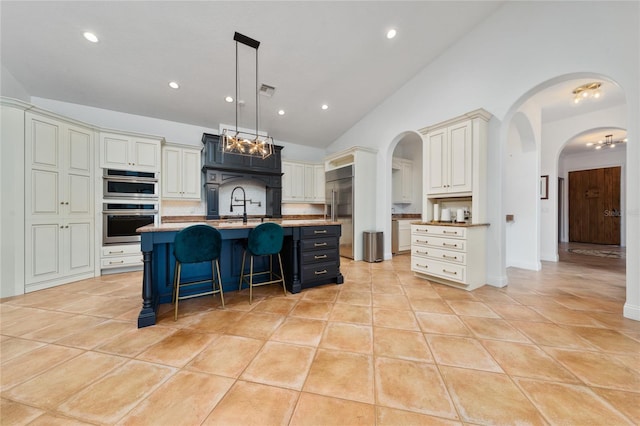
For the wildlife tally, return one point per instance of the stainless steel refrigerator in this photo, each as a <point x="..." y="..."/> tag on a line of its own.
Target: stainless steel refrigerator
<point x="339" y="205"/>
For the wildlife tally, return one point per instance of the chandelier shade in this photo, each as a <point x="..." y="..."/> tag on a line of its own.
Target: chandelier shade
<point x="241" y="142"/>
<point x="608" y="141"/>
<point x="589" y="90"/>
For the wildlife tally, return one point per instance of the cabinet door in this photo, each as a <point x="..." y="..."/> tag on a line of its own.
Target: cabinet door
<point x="77" y="246"/>
<point x="319" y="195"/>
<point x="437" y="157"/>
<point x="43" y="139"/>
<point x="115" y="152"/>
<point x="171" y="172"/>
<point x="293" y="182"/>
<point x="460" y="156"/>
<point x="407" y="182"/>
<point x="145" y="155"/>
<point x="191" y="174"/>
<point x="78" y="184"/>
<point x="309" y="182"/>
<point x="42" y="258"/>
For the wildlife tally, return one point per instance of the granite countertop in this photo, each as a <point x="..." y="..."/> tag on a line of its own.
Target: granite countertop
<point x="461" y="224"/>
<point x="234" y="224"/>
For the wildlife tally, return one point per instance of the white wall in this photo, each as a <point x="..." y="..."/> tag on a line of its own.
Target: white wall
<point x="497" y="66"/>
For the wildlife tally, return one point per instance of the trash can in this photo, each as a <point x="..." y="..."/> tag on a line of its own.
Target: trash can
<point x="373" y="246"/>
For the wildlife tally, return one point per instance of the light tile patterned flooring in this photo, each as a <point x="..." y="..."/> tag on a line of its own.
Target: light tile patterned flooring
<point x="384" y="348"/>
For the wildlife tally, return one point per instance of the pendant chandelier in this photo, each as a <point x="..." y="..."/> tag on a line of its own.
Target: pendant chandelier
<point x="243" y="143"/>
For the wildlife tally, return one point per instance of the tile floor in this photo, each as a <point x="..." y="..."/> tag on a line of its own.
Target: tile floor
<point x="384" y="348"/>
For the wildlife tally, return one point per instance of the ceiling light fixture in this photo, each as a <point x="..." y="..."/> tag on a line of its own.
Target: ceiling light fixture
<point x="228" y="99"/>
<point x="242" y="143"/>
<point x="90" y="36"/>
<point x="391" y="33"/>
<point x="174" y="85"/>
<point x="608" y="141"/>
<point x="281" y="112"/>
<point x="324" y="106"/>
<point x="589" y="90"/>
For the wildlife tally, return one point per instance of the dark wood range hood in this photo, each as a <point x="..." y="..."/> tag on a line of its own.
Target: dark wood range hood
<point x="221" y="168"/>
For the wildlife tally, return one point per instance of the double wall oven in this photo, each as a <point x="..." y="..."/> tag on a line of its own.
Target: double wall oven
<point x="130" y="200"/>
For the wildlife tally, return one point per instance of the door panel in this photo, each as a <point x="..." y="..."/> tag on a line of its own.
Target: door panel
<point x="594" y="206"/>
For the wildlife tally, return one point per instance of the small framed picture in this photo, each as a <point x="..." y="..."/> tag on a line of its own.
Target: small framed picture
<point x="544" y="187"/>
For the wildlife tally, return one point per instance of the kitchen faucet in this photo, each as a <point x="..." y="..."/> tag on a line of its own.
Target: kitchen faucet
<point x="244" y="203"/>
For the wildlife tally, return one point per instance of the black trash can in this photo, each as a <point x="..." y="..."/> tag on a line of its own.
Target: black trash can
<point x="373" y="246"/>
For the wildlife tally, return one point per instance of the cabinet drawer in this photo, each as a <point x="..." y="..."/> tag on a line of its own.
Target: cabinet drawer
<point x="319" y="243"/>
<point x="437" y="254"/>
<point x="120" y="262"/>
<point x="319" y="231"/>
<point x="437" y="242"/>
<point x="448" y="271"/>
<point x="319" y="271"/>
<point x="319" y="256"/>
<point x="442" y="231"/>
<point x="121" y="250"/>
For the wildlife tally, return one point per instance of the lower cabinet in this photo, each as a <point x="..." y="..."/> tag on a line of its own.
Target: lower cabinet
<point x="452" y="255"/>
<point x="59" y="251"/>
<point x="121" y="256"/>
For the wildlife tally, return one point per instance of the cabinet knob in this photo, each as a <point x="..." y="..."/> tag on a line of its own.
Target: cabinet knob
<point x="62" y="203"/>
<point x="66" y="202"/>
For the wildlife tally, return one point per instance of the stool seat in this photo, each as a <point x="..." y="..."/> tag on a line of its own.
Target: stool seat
<point x="264" y="240"/>
<point x="197" y="244"/>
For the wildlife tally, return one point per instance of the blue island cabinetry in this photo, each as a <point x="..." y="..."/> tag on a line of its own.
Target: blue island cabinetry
<point x="310" y="257"/>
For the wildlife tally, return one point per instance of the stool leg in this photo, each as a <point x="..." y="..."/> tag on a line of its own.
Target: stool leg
<point x="175" y="281"/>
<point x="178" y="268"/>
<point x="244" y="255"/>
<point x="284" y="287"/>
<point x="251" y="281"/>
<point x="220" y="283"/>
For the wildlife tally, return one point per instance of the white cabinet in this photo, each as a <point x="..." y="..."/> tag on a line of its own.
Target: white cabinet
<point x="452" y="255"/>
<point x="449" y="153"/>
<point x="404" y="234"/>
<point x="402" y="180"/>
<point x="59" y="201"/>
<point x="121" y="256"/>
<point x="128" y="152"/>
<point x="181" y="173"/>
<point x="302" y="182"/>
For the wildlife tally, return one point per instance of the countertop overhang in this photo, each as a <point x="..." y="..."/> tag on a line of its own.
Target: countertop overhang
<point x="235" y="224"/>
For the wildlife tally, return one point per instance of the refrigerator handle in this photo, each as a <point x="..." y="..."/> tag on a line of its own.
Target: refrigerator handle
<point x="333" y="205"/>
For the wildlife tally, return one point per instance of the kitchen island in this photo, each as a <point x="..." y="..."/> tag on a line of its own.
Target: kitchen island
<point x="310" y="257"/>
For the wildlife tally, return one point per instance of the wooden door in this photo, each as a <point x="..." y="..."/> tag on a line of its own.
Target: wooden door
<point x="594" y="206"/>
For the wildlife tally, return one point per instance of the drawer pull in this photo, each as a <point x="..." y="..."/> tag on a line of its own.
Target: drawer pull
<point x="116" y="252"/>
<point x="324" y="271"/>
<point x="115" y="263"/>
<point x="450" y="232"/>
<point x="422" y="230"/>
<point x="450" y="257"/>
<point x="323" y="256"/>
<point x="319" y="244"/>
<point x="422" y="266"/>
<point x="449" y="245"/>
<point x="324" y="231"/>
<point x="449" y="272"/>
<point x="422" y="241"/>
<point x="422" y="252"/>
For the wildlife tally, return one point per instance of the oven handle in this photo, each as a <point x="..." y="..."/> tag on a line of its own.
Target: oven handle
<point x="131" y="180"/>
<point x="131" y="212"/>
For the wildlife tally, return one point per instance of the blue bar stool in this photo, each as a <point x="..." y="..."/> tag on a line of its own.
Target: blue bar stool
<point x="197" y="244"/>
<point x="264" y="240"/>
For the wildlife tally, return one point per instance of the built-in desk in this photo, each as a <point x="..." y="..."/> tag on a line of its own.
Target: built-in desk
<point x="304" y="265"/>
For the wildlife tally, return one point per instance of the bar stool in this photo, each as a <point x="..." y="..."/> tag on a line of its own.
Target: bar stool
<point x="264" y="240"/>
<point x="196" y="244"/>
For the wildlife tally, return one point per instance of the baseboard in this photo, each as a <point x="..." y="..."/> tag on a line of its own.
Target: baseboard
<point x="531" y="266"/>
<point x="498" y="281"/>
<point x="631" y="312"/>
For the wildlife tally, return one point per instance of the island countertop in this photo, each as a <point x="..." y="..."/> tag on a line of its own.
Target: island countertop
<point x="235" y="224"/>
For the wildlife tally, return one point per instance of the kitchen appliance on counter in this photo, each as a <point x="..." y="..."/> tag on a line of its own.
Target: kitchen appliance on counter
<point x="339" y="205"/>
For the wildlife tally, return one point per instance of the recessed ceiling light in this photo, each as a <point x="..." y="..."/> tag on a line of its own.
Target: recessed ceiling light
<point x="391" y="33"/>
<point x="174" y="85"/>
<point x="324" y="106"/>
<point x="91" y="37"/>
<point x="228" y="99"/>
<point x="281" y="112"/>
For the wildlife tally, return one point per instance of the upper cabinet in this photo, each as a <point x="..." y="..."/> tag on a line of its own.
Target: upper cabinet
<point x="302" y="182"/>
<point x="128" y="152"/>
<point x="455" y="162"/>
<point x="402" y="179"/>
<point x="181" y="174"/>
